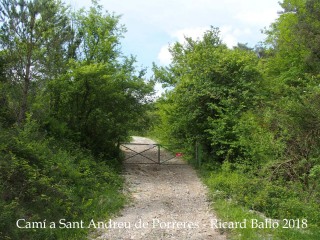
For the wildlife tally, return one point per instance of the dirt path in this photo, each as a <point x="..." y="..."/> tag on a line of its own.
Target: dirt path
<point x="168" y="202"/>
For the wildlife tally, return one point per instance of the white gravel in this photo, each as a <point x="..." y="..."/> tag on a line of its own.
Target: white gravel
<point x="167" y="202"/>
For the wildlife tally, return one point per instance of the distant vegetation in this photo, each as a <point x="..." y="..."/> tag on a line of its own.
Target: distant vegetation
<point x="256" y="114"/>
<point x="68" y="96"/>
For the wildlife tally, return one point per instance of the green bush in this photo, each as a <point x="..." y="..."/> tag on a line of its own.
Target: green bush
<point x="275" y="199"/>
<point x="42" y="178"/>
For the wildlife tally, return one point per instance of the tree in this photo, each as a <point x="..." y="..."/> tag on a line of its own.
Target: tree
<point x="102" y="95"/>
<point x="95" y="105"/>
<point x="294" y="40"/>
<point x="33" y="33"/>
<point x="292" y="71"/>
<point x="213" y="86"/>
<point x="309" y="29"/>
<point x="99" y="33"/>
<point x="4" y="104"/>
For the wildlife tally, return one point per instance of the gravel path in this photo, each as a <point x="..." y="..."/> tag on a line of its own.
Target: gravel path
<point x="168" y="202"/>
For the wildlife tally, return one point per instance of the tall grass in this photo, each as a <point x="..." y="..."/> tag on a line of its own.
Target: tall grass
<point x="46" y="179"/>
<point x="237" y="196"/>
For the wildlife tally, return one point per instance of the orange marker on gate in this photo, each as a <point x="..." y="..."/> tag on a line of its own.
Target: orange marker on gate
<point x="179" y="154"/>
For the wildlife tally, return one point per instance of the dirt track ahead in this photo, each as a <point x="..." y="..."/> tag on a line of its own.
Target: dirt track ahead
<point x="168" y="202"/>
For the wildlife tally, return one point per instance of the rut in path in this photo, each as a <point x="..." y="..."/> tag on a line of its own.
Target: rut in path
<point x="168" y="202"/>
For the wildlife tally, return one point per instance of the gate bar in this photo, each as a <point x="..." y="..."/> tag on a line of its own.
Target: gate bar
<point x="138" y="153"/>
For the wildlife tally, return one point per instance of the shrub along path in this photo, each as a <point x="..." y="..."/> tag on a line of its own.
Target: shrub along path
<point x="168" y="202"/>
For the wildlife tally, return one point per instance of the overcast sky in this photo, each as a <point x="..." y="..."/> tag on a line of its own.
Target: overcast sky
<point x="154" y="24"/>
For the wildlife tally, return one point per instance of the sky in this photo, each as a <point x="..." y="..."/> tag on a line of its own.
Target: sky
<point x="152" y="25"/>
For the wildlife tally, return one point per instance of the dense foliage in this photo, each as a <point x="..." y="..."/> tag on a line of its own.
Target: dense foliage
<point x="45" y="179"/>
<point x="255" y="112"/>
<point x="68" y="96"/>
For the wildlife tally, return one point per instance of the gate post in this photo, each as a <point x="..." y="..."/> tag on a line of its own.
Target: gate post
<point x="198" y="153"/>
<point x="159" y="154"/>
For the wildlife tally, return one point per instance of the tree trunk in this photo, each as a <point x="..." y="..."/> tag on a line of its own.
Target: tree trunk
<point x="24" y="101"/>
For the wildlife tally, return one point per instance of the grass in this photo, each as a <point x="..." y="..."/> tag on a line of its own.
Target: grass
<point x="48" y="179"/>
<point x="229" y="211"/>
<point x="233" y="196"/>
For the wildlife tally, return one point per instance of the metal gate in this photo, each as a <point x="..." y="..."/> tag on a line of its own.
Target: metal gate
<point x="141" y="153"/>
